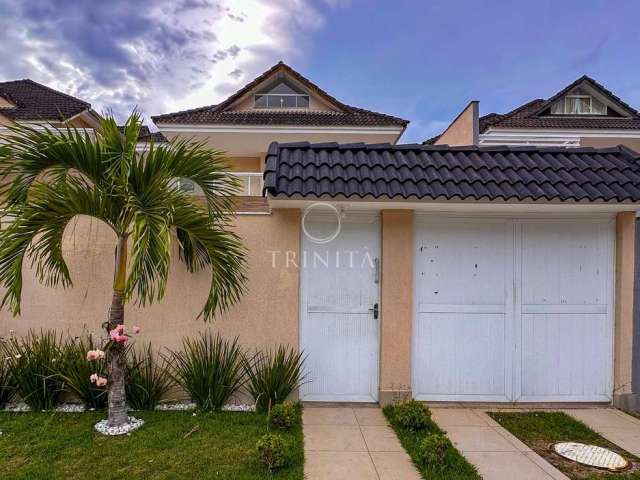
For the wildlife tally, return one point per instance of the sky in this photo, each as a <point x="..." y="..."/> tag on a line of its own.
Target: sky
<point x="420" y="60"/>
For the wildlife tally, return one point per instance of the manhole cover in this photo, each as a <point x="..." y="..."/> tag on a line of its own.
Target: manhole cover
<point x="591" y="455"/>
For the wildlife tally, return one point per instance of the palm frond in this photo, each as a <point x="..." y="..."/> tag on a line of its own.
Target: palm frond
<point x="225" y="253"/>
<point x="37" y="232"/>
<point x="50" y="153"/>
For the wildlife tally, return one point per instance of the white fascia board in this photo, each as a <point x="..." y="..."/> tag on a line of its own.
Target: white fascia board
<point x="463" y="206"/>
<point x="178" y="128"/>
<point x="557" y="133"/>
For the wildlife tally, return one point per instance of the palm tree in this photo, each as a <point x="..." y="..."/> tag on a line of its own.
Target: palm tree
<point x="48" y="176"/>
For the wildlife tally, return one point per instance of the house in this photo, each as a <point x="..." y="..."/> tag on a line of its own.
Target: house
<point x="446" y="273"/>
<point x="29" y="102"/>
<point x="584" y="113"/>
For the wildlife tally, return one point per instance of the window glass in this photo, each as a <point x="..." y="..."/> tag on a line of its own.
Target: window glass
<point x="303" y="101"/>
<point x="261" y="101"/>
<point x="289" y="101"/>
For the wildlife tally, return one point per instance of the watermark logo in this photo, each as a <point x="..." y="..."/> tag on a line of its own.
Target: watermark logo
<point x="325" y="209"/>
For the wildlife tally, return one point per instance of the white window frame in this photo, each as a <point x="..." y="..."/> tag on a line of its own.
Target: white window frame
<point x="296" y="95"/>
<point x="590" y="112"/>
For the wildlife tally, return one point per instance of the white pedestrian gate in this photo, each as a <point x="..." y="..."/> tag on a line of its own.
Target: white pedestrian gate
<point x="339" y="326"/>
<point x="513" y="310"/>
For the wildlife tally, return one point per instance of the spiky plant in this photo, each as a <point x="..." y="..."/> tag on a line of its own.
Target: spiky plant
<point x="272" y="375"/>
<point x="75" y="370"/>
<point x="7" y="381"/>
<point x="49" y="176"/>
<point x="148" y="378"/>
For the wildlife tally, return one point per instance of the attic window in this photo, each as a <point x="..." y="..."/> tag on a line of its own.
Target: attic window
<point x="281" y="96"/>
<point x="579" y="105"/>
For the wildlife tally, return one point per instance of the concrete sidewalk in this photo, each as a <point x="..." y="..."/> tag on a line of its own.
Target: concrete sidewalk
<point x="495" y="452"/>
<point x="354" y="443"/>
<point x="612" y="424"/>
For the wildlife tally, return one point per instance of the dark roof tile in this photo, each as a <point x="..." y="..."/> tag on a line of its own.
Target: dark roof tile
<point x="37" y="102"/>
<point x="220" y="114"/>
<point x="435" y="172"/>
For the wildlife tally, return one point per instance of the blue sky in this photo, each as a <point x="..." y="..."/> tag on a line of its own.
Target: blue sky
<point x="420" y="60"/>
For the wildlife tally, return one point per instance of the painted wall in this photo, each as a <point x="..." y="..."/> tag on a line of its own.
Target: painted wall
<point x="396" y="305"/>
<point x="266" y="316"/>
<point x="632" y="143"/>
<point x="464" y="129"/>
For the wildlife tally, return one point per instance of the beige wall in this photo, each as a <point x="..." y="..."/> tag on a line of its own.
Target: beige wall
<point x="396" y="304"/>
<point x="267" y="315"/>
<point x="632" y="143"/>
<point x="246" y="164"/>
<point x="625" y="261"/>
<point x="464" y="129"/>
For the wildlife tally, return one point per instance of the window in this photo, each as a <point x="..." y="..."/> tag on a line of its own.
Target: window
<point x="579" y="105"/>
<point x="186" y="185"/>
<point x="281" y="100"/>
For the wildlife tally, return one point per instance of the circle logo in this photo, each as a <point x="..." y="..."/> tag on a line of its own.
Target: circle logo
<point x="332" y="211"/>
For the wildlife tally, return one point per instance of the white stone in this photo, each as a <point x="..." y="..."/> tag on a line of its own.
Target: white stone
<point x="103" y="427"/>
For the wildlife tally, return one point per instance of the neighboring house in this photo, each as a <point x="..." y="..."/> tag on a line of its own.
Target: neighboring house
<point x="584" y="113"/>
<point x="29" y="102"/>
<point x="501" y="274"/>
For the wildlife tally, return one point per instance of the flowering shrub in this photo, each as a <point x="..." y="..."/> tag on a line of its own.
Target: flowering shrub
<point x="80" y="362"/>
<point x="272" y="451"/>
<point x="117" y="336"/>
<point x="284" y="415"/>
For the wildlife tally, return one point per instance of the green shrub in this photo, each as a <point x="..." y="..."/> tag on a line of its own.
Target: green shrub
<point x="75" y="370"/>
<point x="273" y="452"/>
<point x="209" y="368"/>
<point x="35" y="362"/>
<point x="432" y="451"/>
<point x="147" y="380"/>
<point x="7" y="382"/>
<point x="412" y="415"/>
<point x="273" y="375"/>
<point x="284" y="415"/>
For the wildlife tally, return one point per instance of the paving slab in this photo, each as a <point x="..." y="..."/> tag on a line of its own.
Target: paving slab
<point x="496" y="453"/>
<point x="354" y="444"/>
<point x="614" y="425"/>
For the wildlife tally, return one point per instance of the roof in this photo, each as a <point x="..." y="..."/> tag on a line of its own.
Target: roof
<point x="529" y="115"/>
<point x="345" y="115"/>
<point x="445" y="173"/>
<point x="38" y="102"/>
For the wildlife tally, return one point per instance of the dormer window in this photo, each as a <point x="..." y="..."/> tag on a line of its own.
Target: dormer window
<point x="579" y="104"/>
<point x="281" y="96"/>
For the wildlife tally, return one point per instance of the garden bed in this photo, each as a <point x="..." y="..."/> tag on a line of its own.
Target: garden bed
<point x="453" y="466"/>
<point x="171" y="445"/>
<point x="540" y="429"/>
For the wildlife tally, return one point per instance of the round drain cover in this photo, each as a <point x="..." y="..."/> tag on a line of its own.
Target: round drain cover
<point x="591" y="455"/>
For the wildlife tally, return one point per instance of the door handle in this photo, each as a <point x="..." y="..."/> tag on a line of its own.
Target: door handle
<point x="375" y="311"/>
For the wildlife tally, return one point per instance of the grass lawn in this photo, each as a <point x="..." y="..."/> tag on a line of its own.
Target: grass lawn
<point x="65" y="446"/>
<point x="540" y="429"/>
<point x="457" y="467"/>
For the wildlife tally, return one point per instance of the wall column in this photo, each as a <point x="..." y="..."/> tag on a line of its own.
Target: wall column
<point x="623" y="395"/>
<point x="396" y="305"/>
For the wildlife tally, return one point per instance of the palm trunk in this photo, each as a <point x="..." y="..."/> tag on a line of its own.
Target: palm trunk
<point x="116" y="356"/>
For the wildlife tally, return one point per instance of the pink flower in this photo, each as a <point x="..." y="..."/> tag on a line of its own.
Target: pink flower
<point x="101" y="382"/>
<point x="120" y="328"/>
<point x="94" y="355"/>
<point x="136" y="330"/>
<point x="118" y="337"/>
<point x="94" y="377"/>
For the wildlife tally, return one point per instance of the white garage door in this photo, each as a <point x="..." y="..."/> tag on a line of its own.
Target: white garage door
<point x="513" y="310"/>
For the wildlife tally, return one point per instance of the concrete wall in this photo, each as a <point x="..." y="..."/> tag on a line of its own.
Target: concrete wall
<point x="266" y="316"/>
<point x="396" y="305"/>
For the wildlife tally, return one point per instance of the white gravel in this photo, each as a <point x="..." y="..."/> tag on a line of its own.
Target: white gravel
<point x="103" y="427"/>
<point x="177" y="406"/>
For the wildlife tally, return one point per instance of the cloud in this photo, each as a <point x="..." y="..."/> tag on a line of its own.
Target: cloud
<point x="162" y="56"/>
